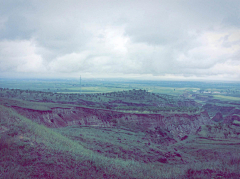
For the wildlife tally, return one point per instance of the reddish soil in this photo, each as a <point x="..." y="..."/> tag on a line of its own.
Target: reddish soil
<point x="218" y="117"/>
<point x="179" y="125"/>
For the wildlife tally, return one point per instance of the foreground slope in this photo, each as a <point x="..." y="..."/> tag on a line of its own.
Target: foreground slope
<point x="29" y="150"/>
<point x="55" y="140"/>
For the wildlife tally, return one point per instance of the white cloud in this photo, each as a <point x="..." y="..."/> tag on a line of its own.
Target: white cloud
<point x="121" y="38"/>
<point x="20" y="56"/>
<point x="69" y="63"/>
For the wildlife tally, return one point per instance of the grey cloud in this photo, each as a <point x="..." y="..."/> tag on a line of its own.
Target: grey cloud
<point x="120" y="37"/>
<point x="233" y="20"/>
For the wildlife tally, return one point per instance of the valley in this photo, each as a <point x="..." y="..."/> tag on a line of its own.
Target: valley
<point x="141" y="130"/>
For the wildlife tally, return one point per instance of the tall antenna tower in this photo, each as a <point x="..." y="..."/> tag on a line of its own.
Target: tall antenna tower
<point x="80" y="85"/>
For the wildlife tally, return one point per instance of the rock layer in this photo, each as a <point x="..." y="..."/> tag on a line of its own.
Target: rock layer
<point x="179" y="125"/>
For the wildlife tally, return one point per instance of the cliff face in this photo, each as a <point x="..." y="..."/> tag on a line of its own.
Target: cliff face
<point x="233" y="118"/>
<point x="222" y="131"/>
<point x="62" y="117"/>
<point x="179" y="125"/>
<point x="184" y="125"/>
<point x="215" y="110"/>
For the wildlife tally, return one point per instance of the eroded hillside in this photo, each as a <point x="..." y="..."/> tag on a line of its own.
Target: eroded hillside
<point x="179" y="125"/>
<point x="167" y="143"/>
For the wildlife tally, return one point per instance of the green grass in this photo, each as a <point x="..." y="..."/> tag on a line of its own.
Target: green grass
<point x="236" y="122"/>
<point x="42" y="106"/>
<point x="42" y="134"/>
<point x="137" y="100"/>
<point x="170" y="90"/>
<point x="112" y="143"/>
<point x="226" y="98"/>
<point x="72" y="151"/>
<point x="121" y="152"/>
<point x="54" y="142"/>
<point x="98" y="89"/>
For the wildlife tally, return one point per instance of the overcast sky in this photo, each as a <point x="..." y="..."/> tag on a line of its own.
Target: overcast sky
<point x="150" y="39"/>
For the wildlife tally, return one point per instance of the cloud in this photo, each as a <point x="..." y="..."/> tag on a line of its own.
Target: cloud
<point x="2" y="22"/>
<point x="121" y="38"/>
<point x="20" y="56"/>
<point x="69" y="63"/>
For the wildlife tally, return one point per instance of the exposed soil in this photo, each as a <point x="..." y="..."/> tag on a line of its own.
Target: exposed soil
<point x="179" y="125"/>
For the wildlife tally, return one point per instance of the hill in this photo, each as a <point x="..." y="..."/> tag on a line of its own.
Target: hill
<point x="59" y="139"/>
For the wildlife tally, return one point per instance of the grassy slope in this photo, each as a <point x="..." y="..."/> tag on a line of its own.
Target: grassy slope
<point x="27" y="137"/>
<point x="34" y="151"/>
<point x="137" y="100"/>
<point x="32" y="105"/>
<point x="115" y="143"/>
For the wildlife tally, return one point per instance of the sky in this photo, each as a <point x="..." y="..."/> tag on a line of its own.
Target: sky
<point x="146" y="39"/>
